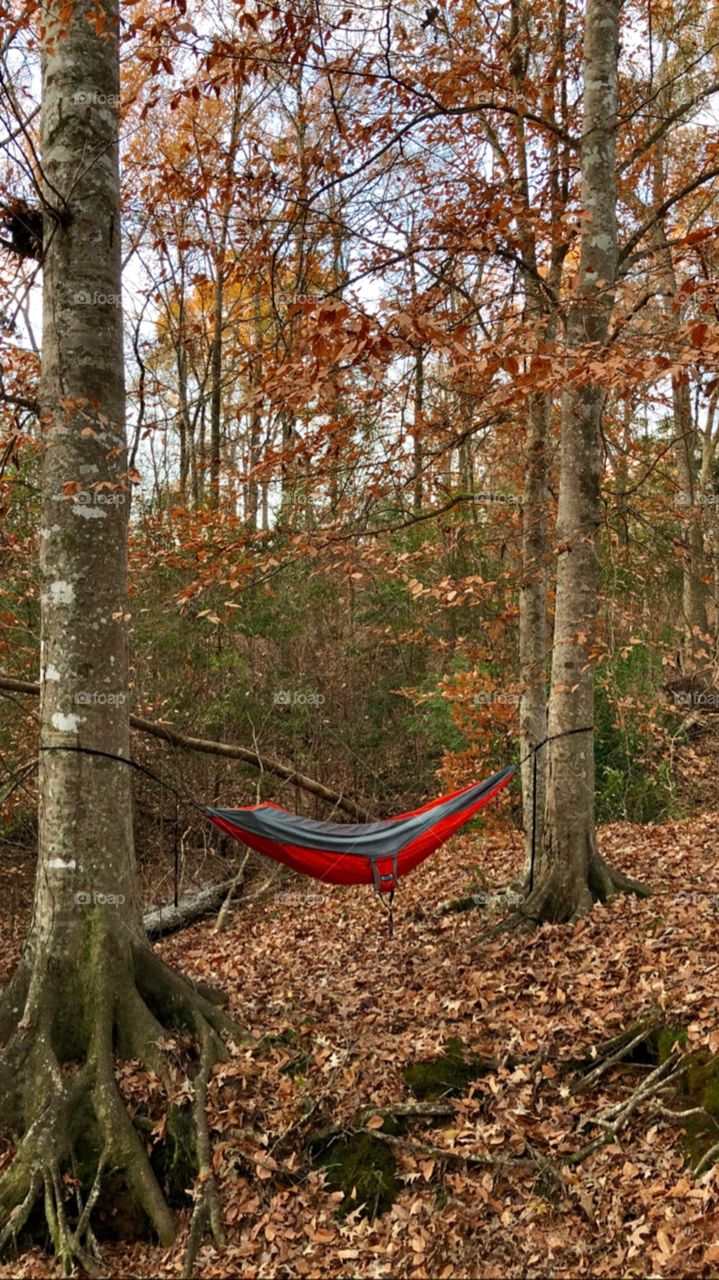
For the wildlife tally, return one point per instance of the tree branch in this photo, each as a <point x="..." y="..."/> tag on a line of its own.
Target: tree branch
<point x="227" y="751"/>
<point x="663" y="208"/>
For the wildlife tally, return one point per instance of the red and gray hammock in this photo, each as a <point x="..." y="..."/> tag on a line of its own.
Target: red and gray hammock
<point x="375" y="853"/>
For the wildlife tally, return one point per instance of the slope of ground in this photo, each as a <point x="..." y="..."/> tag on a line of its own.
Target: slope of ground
<point x="337" y="1011"/>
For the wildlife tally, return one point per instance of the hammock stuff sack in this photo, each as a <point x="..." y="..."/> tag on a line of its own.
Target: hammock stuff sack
<point x="375" y="853"/>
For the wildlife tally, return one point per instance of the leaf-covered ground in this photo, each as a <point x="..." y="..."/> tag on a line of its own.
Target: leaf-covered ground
<point x="337" y="1010"/>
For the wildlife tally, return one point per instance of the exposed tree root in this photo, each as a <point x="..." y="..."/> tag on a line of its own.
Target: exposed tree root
<point x="558" y="897"/>
<point x="59" y="1091"/>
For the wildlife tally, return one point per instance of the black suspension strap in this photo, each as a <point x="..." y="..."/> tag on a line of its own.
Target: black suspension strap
<point x="534" y="821"/>
<point x="390" y="914"/>
<point x="154" y="777"/>
<point x="133" y="764"/>
<point x="176" y="853"/>
<point x="141" y="768"/>
<point x="567" y="733"/>
<point x="533" y="752"/>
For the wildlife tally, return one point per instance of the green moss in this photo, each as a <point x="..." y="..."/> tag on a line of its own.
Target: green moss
<point x="665" y="1039"/>
<point x="700" y="1089"/>
<point x="710" y="1096"/>
<point x="447" y="1076"/>
<point x="359" y="1165"/>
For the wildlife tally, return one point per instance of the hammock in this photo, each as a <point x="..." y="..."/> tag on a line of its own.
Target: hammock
<point x="357" y="853"/>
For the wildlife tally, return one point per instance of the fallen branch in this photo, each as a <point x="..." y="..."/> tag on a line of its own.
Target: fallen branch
<point x="656" y="1081"/>
<point x="160" y="921"/>
<point x="471" y="1158"/>
<point x="484" y="898"/>
<point x="625" y="1048"/>
<point x="222" y="913"/>
<point x="227" y="751"/>
<point x="404" y="1110"/>
<point x="706" y="1161"/>
<point x="614" y="1119"/>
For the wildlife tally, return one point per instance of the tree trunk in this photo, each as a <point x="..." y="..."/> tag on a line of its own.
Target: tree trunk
<point x="88" y="982"/>
<point x="218" y="315"/>
<point x="688" y="460"/>
<point x="533" y="630"/>
<point x="216" y="377"/>
<point x="533" y="624"/>
<point x="570" y="874"/>
<point x="694" y="592"/>
<point x="255" y="415"/>
<point x="188" y="461"/>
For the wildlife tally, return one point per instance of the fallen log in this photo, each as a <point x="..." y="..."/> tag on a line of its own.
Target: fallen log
<point x="161" y="920"/>
<point x="228" y="751"/>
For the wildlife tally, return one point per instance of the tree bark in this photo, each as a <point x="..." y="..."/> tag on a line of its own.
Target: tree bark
<point x="688" y="456"/>
<point x="694" y="591"/>
<point x="418" y="431"/>
<point x="88" y="983"/>
<point x="255" y="416"/>
<point x="570" y="874"/>
<point x="216" y="371"/>
<point x="533" y="622"/>
<point x="218" y="317"/>
<point x="533" y="627"/>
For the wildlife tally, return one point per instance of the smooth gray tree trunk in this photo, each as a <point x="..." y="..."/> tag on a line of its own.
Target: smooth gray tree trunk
<point x="570" y="874"/>
<point x="533" y="626"/>
<point x="85" y="803"/>
<point x="89" y="984"/>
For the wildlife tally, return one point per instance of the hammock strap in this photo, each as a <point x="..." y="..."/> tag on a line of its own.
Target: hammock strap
<point x="533" y="752"/>
<point x="176" y="853"/>
<point x="534" y="821"/>
<point x="389" y="908"/>
<point x="133" y="764"/>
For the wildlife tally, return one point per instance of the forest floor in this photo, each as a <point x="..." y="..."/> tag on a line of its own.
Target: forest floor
<point x="337" y="1011"/>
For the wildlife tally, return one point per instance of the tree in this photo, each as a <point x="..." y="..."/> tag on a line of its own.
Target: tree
<point x="88" y="980"/>
<point x="570" y="873"/>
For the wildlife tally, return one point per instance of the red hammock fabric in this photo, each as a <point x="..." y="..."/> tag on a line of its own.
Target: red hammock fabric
<point x="365" y="853"/>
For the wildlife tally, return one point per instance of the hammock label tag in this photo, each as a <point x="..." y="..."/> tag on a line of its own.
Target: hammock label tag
<point x="384" y="874"/>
